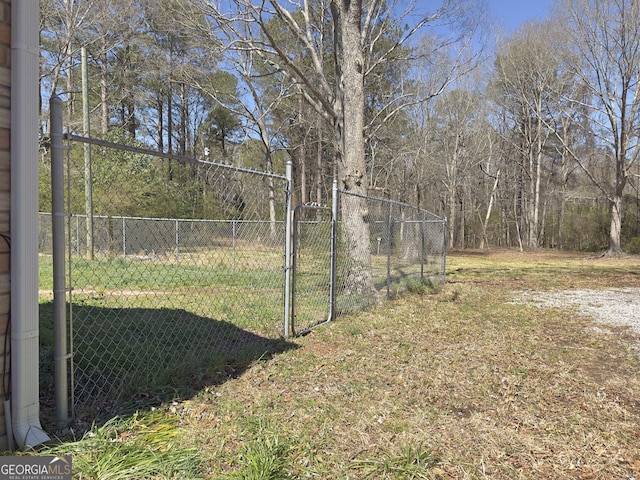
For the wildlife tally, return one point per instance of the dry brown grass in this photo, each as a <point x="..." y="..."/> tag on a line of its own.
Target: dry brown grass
<point x="454" y="383"/>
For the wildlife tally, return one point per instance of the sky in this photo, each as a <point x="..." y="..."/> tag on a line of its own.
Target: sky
<point x="512" y="13"/>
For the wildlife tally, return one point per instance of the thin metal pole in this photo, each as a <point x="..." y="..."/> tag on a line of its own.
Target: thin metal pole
<point x="295" y="232"/>
<point x="59" y="288"/>
<point x="287" y="250"/>
<point x="334" y="250"/>
<point x="233" y="242"/>
<point x="156" y="153"/>
<point x="444" y="250"/>
<point x="77" y="235"/>
<point x="423" y="256"/>
<point x="69" y="280"/>
<point x="390" y="234"/>
<point x="177" y="243"/>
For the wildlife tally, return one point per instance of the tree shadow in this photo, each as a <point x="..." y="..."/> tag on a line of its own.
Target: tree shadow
<point x="133" y="359"/>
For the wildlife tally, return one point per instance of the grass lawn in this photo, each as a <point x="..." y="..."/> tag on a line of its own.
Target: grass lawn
<point x="452" y="382"/>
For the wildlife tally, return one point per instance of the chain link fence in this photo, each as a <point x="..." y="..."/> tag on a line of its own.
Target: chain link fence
<point x="406" y="247"/>
<point x="180" y="272"/>
<point x="159" y="307"/>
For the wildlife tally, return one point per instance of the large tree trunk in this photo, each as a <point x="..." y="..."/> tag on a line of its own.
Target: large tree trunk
<point x="535" y="198"/>
<point x="351" y="168"/>
<point x="184" y="115"/>
<point x="615" y="246"/>
<point x="563" y="193"/>
<point x="272" y="200"/>
<point x="616" y="226"/>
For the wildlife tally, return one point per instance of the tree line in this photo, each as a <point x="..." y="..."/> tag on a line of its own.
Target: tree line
<point x="527" y="140"/>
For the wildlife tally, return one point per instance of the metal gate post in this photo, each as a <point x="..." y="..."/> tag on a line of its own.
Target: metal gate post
<point x="295" y="239"/>
<point x="59" y="287"/>
<point x="334" y="251"/>
<point x="287" y="250"/>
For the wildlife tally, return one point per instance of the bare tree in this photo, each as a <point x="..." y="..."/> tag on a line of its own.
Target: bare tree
<point x="336" y="90"/>
<point x="526" y="84"/>
<point x="459" y="127"/>
<point x="60" y="29"/>
<point x="605" y="37"/>
<point x="256" y="108"/>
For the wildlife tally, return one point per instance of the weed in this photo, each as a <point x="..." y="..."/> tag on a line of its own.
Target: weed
<point x="433" y="286"/>
<point x="354" y="330"/>
<point x="416" y="287"/>
<point x="264" y="458"/>
<point x="633" y="246"/>
<point x="414" y="462"/>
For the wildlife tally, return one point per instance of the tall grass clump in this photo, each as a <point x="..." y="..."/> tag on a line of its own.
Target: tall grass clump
<point x="414" y="462"/>
<point x="264" y="458"/>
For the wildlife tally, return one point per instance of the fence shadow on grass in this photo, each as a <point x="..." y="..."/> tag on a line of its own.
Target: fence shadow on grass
<point x="133" y="359"/>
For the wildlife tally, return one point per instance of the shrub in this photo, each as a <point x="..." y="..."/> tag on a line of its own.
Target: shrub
<point x="633" y="246"/>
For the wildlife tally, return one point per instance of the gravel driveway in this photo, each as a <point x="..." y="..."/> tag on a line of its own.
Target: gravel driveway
<point x="618" y="306"/>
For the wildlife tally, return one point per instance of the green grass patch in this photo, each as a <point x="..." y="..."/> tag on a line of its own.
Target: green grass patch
<point x="413" y="462"/>
<point x="142" y="446"/>
<point x="122" y="273"/>
<point x="266" y="457"/>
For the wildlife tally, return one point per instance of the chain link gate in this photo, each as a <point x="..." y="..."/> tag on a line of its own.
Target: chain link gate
<point x="313" y="268"/>
<point x="159" y="305"/>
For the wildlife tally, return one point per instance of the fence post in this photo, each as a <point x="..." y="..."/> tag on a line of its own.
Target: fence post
<point x="77" y="235"/>
<point x="59" y="287"/>
<point x="444" y="249"/>
<point x="423" y="226"/>
<point x="233" y="242"/>
<point x="287" y="249"/>
<point x="389" y="246"/>
<point x="334" y="250"/>
<point x="177" y="243"/>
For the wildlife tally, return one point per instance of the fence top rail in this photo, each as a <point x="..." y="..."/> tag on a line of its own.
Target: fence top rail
<point x="161" y="219"/>
<point x="311" y="206"/>
<point x="393" y="202"/>
<point x="169" y="156"/>
<point x="411" y="222"/>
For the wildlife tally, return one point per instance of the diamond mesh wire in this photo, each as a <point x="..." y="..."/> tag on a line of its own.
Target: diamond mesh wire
<point x="312" y="237"/>
<point x="406" y="247"/>
<point x="160" y="304"/>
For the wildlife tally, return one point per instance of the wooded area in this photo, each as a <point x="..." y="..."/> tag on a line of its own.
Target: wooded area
<point x="525" y="140"/>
